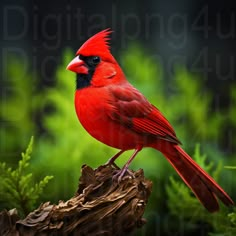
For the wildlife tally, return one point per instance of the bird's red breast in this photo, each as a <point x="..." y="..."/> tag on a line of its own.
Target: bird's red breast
<point x="121" y="117"/>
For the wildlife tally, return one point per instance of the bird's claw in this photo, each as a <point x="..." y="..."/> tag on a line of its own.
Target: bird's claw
<point x="112" y="164"/>
<point x="122" y="174"/>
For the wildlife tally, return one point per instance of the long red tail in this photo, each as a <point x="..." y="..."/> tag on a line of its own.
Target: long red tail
<point x="204" y="187"/>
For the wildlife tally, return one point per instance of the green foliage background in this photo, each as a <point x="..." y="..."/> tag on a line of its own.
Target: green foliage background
<point x="62" y="146"/>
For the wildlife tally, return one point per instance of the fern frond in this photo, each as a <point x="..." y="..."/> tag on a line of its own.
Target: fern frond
<point x="16" y="186"/>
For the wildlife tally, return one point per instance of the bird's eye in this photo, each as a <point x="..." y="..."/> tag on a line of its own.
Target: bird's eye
<point x="80" y="57"/>
<point x="96" y="60"/>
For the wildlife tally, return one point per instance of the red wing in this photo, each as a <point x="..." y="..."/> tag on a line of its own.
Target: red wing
<point x="132" y="109"/>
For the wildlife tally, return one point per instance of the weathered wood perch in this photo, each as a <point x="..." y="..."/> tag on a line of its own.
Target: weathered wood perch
<point x="100" y="206"/>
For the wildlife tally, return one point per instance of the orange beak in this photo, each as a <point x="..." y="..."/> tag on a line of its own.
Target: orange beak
<point x="78" y="66"/>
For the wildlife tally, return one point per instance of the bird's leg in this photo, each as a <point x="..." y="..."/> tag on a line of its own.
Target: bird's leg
<point x="121" y="173"/>
<point x="111" y="161"/>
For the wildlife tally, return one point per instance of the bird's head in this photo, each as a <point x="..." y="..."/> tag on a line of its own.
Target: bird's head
<point x="94" y="64"/>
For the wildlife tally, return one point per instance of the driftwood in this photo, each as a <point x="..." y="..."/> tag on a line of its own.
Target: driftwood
<point x="101" y="206"/>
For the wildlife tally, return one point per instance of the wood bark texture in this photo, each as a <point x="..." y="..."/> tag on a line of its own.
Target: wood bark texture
<point x="101" y="206"/>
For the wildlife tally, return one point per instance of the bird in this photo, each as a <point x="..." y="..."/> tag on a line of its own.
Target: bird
<point x="117" y="114"/>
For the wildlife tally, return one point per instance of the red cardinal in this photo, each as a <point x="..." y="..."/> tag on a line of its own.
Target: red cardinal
<point x="117" y="114"/>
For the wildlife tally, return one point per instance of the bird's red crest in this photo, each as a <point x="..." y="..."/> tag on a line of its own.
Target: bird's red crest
<point x="97" y="45"/>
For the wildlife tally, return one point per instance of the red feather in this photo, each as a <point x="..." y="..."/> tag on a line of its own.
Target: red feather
<point x="136" y="112"/>
<point x="97" y="44"/>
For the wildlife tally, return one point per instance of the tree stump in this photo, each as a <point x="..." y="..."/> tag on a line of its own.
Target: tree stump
<point x="101" y="206"/>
